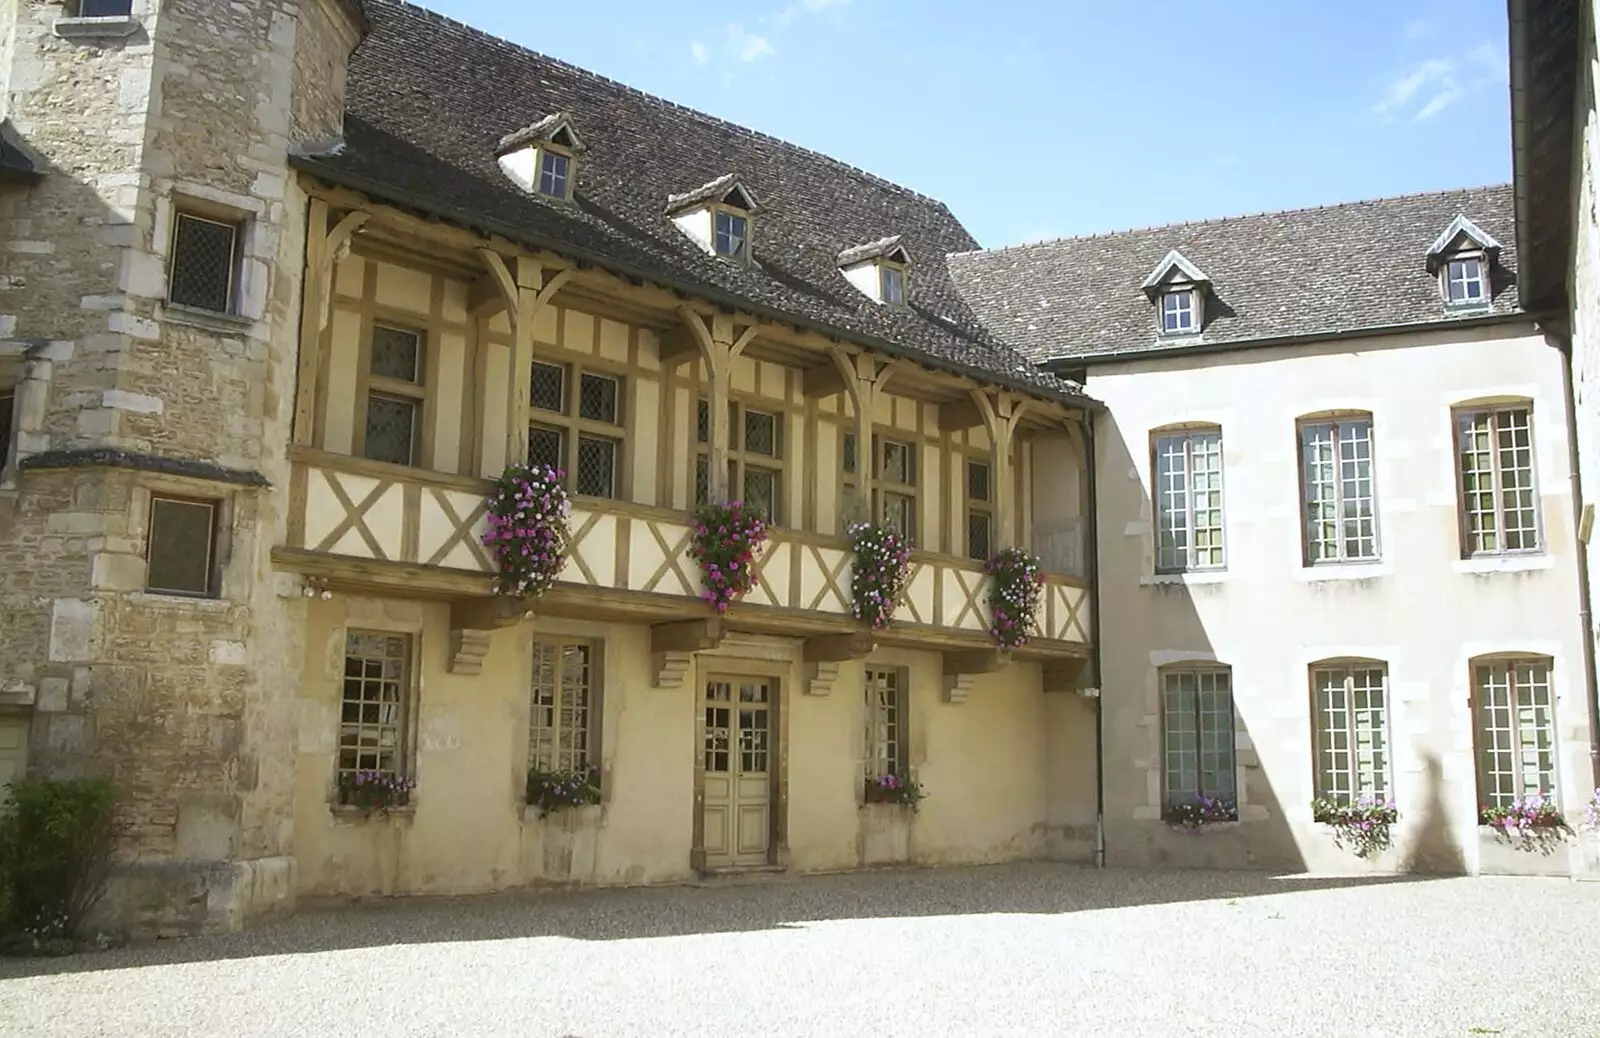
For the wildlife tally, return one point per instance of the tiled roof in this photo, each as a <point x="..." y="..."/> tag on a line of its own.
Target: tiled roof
<point x="1331" y="270"/>
<point x="429" y="100"/>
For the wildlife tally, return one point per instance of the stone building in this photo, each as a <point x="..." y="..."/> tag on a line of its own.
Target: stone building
<point x="288" y="283"/>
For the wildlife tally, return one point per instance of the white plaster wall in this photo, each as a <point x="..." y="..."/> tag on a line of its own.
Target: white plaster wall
<point x="1422" y="608"/>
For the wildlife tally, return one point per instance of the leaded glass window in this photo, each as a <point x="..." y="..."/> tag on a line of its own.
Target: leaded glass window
<point x="205" y="263"/>
<point x="579" y="433"/>
<point x="395" y="393"/>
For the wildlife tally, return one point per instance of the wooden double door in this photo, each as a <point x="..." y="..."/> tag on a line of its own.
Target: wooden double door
<point x="738" y="770"/>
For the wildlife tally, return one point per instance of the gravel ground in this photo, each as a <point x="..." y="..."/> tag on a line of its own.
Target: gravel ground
<point x="1029" y="949"/>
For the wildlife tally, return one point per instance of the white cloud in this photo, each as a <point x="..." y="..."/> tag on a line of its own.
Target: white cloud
<point x="700" y="52"/>
<point x="1429" y="74"/>
<point x="795" y="10"/>
<point x="746" y="46"/>
<point x="1441" y="100"/>
<point x="1436" y="84"/>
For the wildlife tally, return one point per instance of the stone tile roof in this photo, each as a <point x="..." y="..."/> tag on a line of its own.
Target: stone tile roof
<point x="1306" y="272"/>
<point x="430" y="99"/>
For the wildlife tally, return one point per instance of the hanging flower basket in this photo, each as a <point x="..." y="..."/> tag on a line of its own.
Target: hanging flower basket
<point x="1016" y="586"/>
<point x="727" y="542"/>
<point x="878" y="574"/>
<point x="1362" y="826"/>
<point x="528" y="535"/>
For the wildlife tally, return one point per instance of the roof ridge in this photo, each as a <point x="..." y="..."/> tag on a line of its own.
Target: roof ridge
<point x="661" y="101"/>
<point x="1063" y="239"/>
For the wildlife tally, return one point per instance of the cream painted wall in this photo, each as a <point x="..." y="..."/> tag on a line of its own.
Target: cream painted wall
<point x="1422" y="608"/>
<point x="992" y="794"/>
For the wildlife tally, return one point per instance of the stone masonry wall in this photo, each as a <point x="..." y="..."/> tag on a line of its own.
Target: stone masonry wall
<point x="188" y="703"/>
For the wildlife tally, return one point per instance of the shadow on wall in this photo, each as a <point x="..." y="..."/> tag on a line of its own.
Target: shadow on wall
<point x="1433" y="848"/>
<point x="1027" y="888"/>
<point x="1152" y="633"/>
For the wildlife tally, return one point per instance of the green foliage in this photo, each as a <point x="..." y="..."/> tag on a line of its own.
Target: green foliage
<point x="555" y="790"/>
<point x="57" y="838"/>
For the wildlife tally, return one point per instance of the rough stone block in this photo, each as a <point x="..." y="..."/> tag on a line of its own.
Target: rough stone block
<point x="207" y="825"/>
<point x="52" y="698"/>
<point x="73" y="623"/>
<point x="190" y="898"/>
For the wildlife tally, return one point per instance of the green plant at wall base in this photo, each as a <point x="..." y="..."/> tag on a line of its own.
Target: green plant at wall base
<point x="894" y="789"/>
<point x="559" y="789"/>
<point x="57" y="838"/>
<point x="878" y="572"/>
<point x="1362" y="825"/>
<point x="1016" y="586"/>
<point x="527" y="531"/>
<point x="727" y="541"/>
<point x="375" y="790"/>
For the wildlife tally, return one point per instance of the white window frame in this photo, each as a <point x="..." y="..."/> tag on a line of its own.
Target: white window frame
<point x="1501" y="729"/>
<point x="741" y="253"/>
<point x="1178" y="302"/>
<point x="550" y="697"/>
<point x="1502" y="419"/>
<point x="1222" y="750"/>
<point x="892" y="275"/>
<point x="887" y="742"/>
<point x="549" y="156"/>
<point x="1350" y="699"/>
<point x="1448" y="277"/>
<point x="1349" y="444"/>
<point x="1178" y="501"/>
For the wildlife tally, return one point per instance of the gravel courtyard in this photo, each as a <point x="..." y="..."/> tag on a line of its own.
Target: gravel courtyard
<point x="1030" y="949"/>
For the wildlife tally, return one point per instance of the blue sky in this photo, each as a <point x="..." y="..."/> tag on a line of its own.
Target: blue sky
<point x="1036" y="119"/>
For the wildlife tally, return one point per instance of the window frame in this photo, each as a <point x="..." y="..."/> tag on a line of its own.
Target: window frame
<point x="878" y="749"/>
<point x="1196" y="669"/>
<point x="387" y="387"/>
<point x="1189" y="294"/>
<point x="565" y="154"/>
<point x="406" y="728"/>
<point x="1446" y="279"/>
<point x="886" y="268"/>
<point x="1349" y="666"/>
<point x="594" y="691"/>
<point x="1549" y="778"/>
<point x="883" y="489"/>
<point x="1458" y="417"/>
<point x="975" y="506"/>
<point x="1188" y="433"/>
<point x="200" y="214"/>
<point x="9" y="419"/>
<point x="732" y="212"/>
<point x="574" y="427"/>
<point x="213" y="544"/>
<point x="740" y="458"/>
<point x="1335" y="422"/>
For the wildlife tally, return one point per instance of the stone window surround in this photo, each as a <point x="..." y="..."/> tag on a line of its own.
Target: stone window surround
<point x="255" y="248"/>
<point x="1511" y="658"/>
<point x="1338" y="421"/>
<point x="594" y="749"/>
<point x="100" y="27"/>
<point x="224" y="580"/>
<point x="872" y="758"/>
<point x="1187" y="431"/>
<point x="1503" y="398"/>
<point x="604" y="705"/>
<point x="378" y="617"/>
<point x="1153" y="764"/>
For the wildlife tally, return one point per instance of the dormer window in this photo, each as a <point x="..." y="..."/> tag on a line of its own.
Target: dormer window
<point x="1178" y="289"/>
<point x="879" y="269"/>
<point x="1463" y="258"/>
<point x="542" y="158"/>
<point x="719" y="217"/>
<point x="1177" y="312"/>
<point x="732" y="234"/>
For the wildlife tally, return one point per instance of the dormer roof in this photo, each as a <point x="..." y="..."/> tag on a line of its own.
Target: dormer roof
<point x="884" y="248"/>
<point x="556" y="128"/>
<point x="1173" y="263"/>
<point x="727" y="189"/>
<point x="1461" y="234"/>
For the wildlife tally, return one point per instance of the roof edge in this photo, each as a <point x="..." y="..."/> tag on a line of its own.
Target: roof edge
<point x="310" y="164"/>
<point x="1305" y="338"/>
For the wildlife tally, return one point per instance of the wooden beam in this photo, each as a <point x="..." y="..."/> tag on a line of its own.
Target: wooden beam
<point x="488" y="614"/>
<point x="500" y="277"/>
<point x="834" y="648"/>
<point x="678" y="345"/>
<point x="687" y="635"/>
<point x="959" y="414"/>
<point x="822" y="381"/>
<point x="486" y="297"/>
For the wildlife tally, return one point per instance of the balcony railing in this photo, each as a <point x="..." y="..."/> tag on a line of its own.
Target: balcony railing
<point x="434" y="524"/>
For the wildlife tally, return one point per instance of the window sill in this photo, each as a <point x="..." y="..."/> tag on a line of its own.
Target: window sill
<point x="589" y="816"/>
<point x="163" y="601"/>
<point x="1504" y="563"/>
<point x="1344" y="571"/>
<point x="350" y="814"/>
<point x="210" y="320"/>
<point x="113" y="26"/>
<point x="1199" y="576"/>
